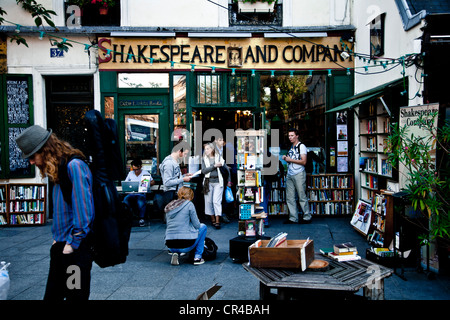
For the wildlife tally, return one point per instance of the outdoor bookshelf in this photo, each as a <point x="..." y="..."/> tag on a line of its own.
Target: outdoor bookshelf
<point x="374" y="130"/>
<point x="330" y="194"/>
<point x="276" y="190"/>
<point x="23" y="204"/>
<point x="250" y="188"/>
<point x="382" y="220"/>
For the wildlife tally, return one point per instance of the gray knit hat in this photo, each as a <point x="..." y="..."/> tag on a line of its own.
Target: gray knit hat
<point x="32" y="139"/>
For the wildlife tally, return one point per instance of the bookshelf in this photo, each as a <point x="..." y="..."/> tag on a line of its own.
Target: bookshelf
<point x="3" y="205"/>
<point x="374" y="167"/>
<point x="330" y="194"/>
<point x="382" y="220"/>
<point x="276" y="195"/>
<point x="250" y="189"/>
<point x="23" y="204"/>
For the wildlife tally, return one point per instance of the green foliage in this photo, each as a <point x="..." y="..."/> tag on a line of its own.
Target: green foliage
<point x="38" y="12"/>
<point x="428" y="183"/>
<point x="40" y="15"/>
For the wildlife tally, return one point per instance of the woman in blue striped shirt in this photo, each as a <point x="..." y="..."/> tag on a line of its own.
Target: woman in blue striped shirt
<point x="70" y="255"/>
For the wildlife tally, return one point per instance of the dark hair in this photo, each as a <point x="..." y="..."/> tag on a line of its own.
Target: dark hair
<point x="136" y="162"/>
<point x="294" y="131"/>
<point x="180" y="146"/>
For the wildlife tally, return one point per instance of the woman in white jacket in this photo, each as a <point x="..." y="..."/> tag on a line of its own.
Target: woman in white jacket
<point x="213" y="183"/>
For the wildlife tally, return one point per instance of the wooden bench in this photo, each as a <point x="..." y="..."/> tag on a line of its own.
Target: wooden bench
<point x="339" y="277"/>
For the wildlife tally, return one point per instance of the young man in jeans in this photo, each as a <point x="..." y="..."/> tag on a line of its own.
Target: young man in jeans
<point x="296" y="179"/>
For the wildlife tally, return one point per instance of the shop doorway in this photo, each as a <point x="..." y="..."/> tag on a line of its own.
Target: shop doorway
<point x="68" y="99"/>
<point x="208" y="122"/>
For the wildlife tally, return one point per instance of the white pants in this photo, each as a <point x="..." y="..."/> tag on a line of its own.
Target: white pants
<point x="213" y="200"/>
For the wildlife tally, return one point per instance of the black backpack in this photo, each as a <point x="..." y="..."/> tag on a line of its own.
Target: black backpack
<point x="113" y="219"/>
<point x="209" y="251"/>
<point x="311" y="159"/>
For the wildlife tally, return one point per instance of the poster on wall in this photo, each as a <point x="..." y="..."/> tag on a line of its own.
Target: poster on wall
<point x="341" y="117"/>
<point x="342" y="148"/>
<point x="342" y="164"/>
<point x="341" y="132"/>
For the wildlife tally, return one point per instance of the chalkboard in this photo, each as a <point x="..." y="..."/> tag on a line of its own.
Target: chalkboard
<point x="17" y="165"/>
<point x="17" y="95"/>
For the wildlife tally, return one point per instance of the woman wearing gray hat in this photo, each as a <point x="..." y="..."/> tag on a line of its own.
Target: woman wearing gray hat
<point x="70" y="255"/>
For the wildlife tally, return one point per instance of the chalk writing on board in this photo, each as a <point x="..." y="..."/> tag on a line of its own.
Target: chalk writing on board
<point x="18" y="101"/>
<point x="17" y="165"/>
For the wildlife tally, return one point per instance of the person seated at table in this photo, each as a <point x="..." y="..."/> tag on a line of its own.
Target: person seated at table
<point x="137" y="199"/>
<point x="184" y="232"/>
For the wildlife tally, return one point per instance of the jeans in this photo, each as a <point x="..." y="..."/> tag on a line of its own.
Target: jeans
<point x="213" y="199"/>
<point x="140" y="201"/>
<point x="199" y="244"/>
<point x="296" y="184"/>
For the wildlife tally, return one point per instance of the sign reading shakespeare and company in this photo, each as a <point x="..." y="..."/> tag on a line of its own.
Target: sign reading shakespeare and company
<point x="247" y="53"/>
<point x="409" y="118"/>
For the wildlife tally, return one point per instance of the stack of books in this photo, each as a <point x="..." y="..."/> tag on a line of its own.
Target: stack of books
<point x="342" y="252"/>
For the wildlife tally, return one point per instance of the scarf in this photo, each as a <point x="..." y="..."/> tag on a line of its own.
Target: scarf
<point x="207" y="164"/>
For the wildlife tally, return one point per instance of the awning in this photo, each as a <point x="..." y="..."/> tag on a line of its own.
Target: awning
<point x="365" y="96"/>
<point x="352" y="103"/>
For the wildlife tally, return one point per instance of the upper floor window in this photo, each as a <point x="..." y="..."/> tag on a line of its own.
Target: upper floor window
<point x="253" y="15"/>
<point x="377" y="36"/>
<point x="85" y="13"/>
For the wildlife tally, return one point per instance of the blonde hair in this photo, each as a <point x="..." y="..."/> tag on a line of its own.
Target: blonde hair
<point x="52" y="152"/>
<point x="213" y="149"/>
<point x="185" y="193"/>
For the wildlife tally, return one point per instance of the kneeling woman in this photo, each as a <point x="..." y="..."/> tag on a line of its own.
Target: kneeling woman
<point x="184" y="231"/>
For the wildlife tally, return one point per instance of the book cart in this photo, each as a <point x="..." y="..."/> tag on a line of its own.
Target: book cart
<point x="23" y="204"/>
<point x="250" y="192"/>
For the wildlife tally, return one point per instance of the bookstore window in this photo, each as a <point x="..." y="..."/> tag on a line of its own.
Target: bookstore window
<point x="256" y="17"/>
<point x="296" y="101"/>
<point x="143" y="80"/>
<point x="239" y="89"/>
<point x="208" y="89"/>
<point x="377" y="36"/>
<point x="84" y="13"/>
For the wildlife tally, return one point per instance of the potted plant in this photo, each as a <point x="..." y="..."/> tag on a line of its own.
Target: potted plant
<point x="104" y="5"/>
<point x="426" y="160"/>
<point x="256" y="5"/>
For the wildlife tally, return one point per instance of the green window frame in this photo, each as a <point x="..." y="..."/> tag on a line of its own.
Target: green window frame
<point x="208" y="89"/>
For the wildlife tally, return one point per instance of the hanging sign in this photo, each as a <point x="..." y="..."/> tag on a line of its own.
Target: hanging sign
<point x="409" y="118"/>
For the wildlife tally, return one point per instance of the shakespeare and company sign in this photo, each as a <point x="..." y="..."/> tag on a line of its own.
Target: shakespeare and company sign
<point x="248" y="53"/>
<point x="409" y="118"/>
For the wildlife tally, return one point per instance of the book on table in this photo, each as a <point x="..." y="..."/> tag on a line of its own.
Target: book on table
<point x="344" y="248"/>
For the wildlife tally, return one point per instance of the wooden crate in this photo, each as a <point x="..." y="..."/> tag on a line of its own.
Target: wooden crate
<point x="290" y="254"/>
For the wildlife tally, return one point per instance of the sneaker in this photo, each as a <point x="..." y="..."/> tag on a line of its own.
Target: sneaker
<point x="141" y="223"/>
<point x="198" y="261"/>
<point x="174" y="260"/>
